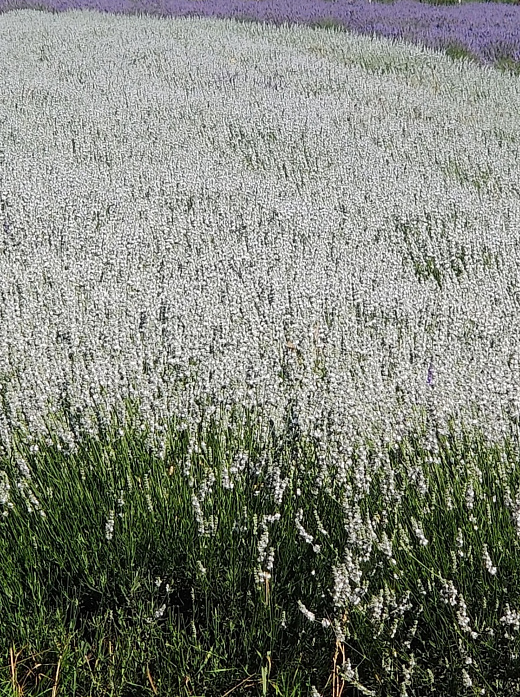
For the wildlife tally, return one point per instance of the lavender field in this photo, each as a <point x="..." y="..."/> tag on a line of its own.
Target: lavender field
<point x="259" y="353"/>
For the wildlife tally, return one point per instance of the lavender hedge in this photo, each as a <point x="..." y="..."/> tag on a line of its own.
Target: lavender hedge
<point x="489" y="32"/>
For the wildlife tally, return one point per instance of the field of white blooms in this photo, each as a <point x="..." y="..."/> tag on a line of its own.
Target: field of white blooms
<point x="321" y="227"/>
<point x="198" y="210"/>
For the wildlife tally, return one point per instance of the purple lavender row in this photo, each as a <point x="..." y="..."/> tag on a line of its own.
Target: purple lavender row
<point x="489" y="32"/>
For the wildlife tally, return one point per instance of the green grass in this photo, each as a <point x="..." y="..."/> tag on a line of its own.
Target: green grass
<point x="77" y="610"/>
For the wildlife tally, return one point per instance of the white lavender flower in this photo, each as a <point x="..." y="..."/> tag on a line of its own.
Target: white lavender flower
<point x="419" y="533"/>
<point x="466" y="680"/>
<point x="4" y="488"/>
<point x="305" y="612"/>
<point x="487" y="561"/>
<point x="511" y="618"/>
<point x="109" y="527"/>
<point x="449" y="593"/>
<point x="470" y="496"/>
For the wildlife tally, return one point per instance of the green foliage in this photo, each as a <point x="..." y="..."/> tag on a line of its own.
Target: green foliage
<point x="457" y="51"/>
<point x="334" y="24"/>
<point x="508" y="65"/>
<point x="165" y="607"/>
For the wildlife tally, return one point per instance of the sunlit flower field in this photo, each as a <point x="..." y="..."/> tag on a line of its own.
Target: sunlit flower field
<point x="259" y="361"/>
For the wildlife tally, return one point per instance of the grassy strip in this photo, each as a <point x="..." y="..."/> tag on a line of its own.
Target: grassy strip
<point x="122" y="573"/>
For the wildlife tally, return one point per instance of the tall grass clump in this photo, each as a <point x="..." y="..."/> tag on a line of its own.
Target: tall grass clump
<point x="259" y="398"/>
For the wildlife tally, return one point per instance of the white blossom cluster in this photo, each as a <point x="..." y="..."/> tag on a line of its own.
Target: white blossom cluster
<point x="109" y="527"/>
<point x="265" y="556"/>
<point x="209" y="212"/>
<point x="306" y="612"/>
<point x="487" y="561"/>
<point x="511" y="618"/>
<point x="348" y="588"/>
<point x="450" y="595"/>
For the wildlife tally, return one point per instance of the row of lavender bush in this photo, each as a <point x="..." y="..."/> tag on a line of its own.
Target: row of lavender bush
<point x="489" y="32"/>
